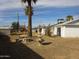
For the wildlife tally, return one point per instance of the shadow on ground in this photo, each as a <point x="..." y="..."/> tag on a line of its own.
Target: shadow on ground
<point x="46" y="43"/>
<point x="9" y="50"/>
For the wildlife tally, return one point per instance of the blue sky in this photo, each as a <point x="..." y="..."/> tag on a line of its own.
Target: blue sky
<point x="45" y="11"/>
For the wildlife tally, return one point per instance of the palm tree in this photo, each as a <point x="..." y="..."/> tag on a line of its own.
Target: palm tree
<point x="68" y="18"/>
<point x="29" y="12"/>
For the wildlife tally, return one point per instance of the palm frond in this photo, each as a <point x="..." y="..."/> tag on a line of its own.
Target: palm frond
<point x="34" y="1"/>
<point x="24" y="1"/>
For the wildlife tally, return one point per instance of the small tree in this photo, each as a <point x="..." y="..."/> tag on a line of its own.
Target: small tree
<point x="15" y="27"/>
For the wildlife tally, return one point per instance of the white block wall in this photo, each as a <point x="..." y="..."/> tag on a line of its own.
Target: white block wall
<point x="63" y="31"/>
<point x="43" y="31"/>
<point x="70" y="32"/>
<point x="52" y="31"/>
<point x="55" y="31"/>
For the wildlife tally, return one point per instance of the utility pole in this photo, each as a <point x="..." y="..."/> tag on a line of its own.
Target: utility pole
<point x="18" y="24"/>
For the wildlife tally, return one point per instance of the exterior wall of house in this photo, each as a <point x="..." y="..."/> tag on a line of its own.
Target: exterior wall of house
<point x="5" y="31"/>
<point x="63" y="31"/>
<point x="55" y="30"/>
<point x="67" y="29"/>
<point x="34" y="30"/>
<point x="43" y="31"/>
<point x="38" y="31"/>
<point x="70" y="31"/>
<point x="52" y="31"/>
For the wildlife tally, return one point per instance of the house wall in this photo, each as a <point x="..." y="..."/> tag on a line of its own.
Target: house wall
<point x="63" y="31"/>
<point x="52" y="31"/>
<point x="43" y="31"/>
<point x="33" y="30"/>
<point x="70" y="31"/>
<point x="55" y="30"/>
<point x="5" y="31"/>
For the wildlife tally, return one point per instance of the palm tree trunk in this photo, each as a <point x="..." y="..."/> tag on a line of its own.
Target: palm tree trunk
<point x="30" y="22"/>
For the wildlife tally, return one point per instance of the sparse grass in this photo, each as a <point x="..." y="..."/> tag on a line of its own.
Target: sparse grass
<point x="35" y="34"/>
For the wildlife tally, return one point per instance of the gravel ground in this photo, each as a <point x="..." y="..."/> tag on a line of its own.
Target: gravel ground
<point x="60" y="48"/>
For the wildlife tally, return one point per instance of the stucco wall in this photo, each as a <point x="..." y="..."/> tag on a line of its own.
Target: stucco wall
<point x="55" y="31"/>
<point x="63" y="31"/>
<point x="43" y="31"/>
<point x="52" y="31"/>
<point x="70" y="31"/>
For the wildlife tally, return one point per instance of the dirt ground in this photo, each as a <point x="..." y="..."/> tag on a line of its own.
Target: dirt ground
<point x="60" y="48"/>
